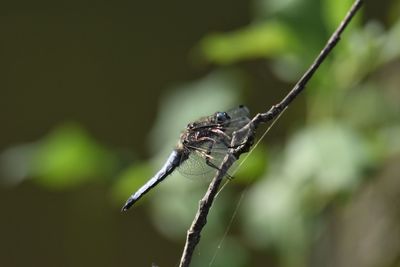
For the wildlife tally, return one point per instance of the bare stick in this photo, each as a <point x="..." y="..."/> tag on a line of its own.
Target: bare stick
<point x="243" y="139"/>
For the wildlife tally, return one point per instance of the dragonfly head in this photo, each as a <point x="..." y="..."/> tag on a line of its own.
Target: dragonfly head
<point x="221" y="117"/>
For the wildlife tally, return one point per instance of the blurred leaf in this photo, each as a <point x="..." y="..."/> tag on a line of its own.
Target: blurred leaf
<point x="330" y="156"/>
<point x="356" y="57"/>
<point x="361" y="53"/>
<point x="335" y="10"/>
<point x="288" y="67"/>
<point x="270" y="39"/>
<point x="273" y="218"/>
<point x="390" y="48"/>
<point x="386" y="143"/>
<point x="309" y="31"/>
<point x="266" y="8"/>
<point x="367" y="108"/>
<point x="250" y="166"/>
<point x="319" y="163"/>
<point x="68" y="157"/>
<point x="269" y="208"/>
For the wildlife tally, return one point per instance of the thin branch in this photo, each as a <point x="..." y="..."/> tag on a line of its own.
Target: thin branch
<point x="243" y="139"/>
<point x="300" y="85"/>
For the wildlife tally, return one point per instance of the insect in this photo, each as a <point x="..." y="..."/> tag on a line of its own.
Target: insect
<point x="202" y="144"/>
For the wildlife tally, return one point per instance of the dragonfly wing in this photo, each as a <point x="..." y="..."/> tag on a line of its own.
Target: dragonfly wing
<point x="239" y="117"/>
<point x="195" y="168"/>
<point x="239" y="112"/>
<point x="203" y="161"/>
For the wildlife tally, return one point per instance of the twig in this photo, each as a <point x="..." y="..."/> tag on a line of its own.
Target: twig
<point x="243" y="139"/>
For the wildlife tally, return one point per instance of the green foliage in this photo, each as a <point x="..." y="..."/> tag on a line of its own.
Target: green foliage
<point x="68" y="157"/>
<point x="353" y="117"/>
<point x="251" y="166"/>
<point x="333" y="12"/>
<point x="267" y="40"/>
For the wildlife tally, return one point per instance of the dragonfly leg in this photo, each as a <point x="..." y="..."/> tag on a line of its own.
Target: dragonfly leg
<point x="238" y="145"/>
<point x="221" y="133"/>
<point x="211" y="143"/>
<point x="206" y="152"/>
<point x="209" y="157"/>
<point x="226" y="139"/>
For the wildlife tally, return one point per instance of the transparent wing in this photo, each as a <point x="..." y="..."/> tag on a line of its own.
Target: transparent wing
<point x="206" y="157"/>
<point x="240" y="116"/>
<point x="195" y="167"/>
<point x="239" y="112"/>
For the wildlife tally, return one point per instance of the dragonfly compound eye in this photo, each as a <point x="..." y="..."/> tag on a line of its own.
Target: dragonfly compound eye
<point x="221" y="117"/>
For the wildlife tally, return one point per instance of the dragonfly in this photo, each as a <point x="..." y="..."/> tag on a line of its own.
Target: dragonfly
<point x="203" y="144"/>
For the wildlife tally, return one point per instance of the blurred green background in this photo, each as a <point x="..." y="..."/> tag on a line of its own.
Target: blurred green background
<point x="94" y="94"/>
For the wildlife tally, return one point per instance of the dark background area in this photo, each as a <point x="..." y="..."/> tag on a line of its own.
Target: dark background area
<point x="100" y="63"/>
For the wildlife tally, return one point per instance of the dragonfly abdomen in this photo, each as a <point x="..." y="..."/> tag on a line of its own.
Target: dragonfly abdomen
<point x="172" y="162"/>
